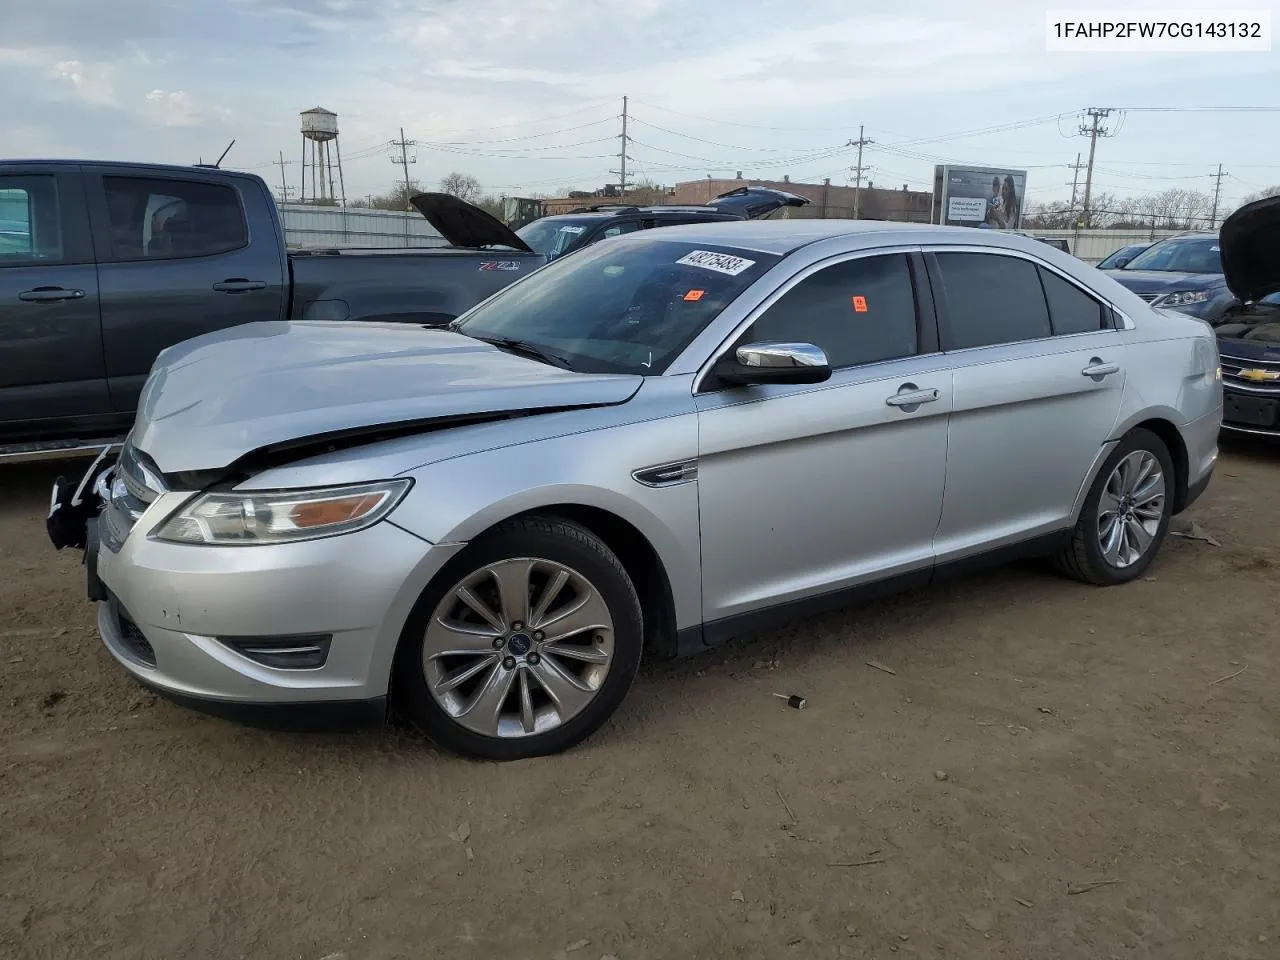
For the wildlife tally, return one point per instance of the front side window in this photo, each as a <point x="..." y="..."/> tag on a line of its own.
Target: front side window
<point x="859" y="311"/>
<point x="992" y="299"/>
<point x="1180" y="256"/>
<point x="619" y="307"/>
<point x="30" y="227"/>
<point x="617" y="229"/>
<point x="153" y="219"/>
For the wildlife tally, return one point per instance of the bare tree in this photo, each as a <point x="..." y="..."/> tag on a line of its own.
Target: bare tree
<point x="397" y="198"/>
<point x="1272" y="191"/>
<point x="462" y="186"/>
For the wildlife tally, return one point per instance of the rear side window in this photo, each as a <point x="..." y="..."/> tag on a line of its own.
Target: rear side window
<point x="1071" y="310"/>
<point x="860" y="311"/>
<point x="992" y="299"/>
<point x="155" y="219"/>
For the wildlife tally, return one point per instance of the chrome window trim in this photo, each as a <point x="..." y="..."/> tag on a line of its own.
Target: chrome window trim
<point x="808" y="270"/>
<point x="1126" y="321"/>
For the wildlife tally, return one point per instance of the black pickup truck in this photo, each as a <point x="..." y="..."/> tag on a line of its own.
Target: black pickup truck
<point x="103" y="265"/>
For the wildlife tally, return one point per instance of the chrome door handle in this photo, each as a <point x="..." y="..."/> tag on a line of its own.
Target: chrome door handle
<point x="1097" y="369"/>
<point x="912" y="398"/>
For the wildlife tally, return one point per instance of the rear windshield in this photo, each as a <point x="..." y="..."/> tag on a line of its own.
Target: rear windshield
<point x="621" y="307"/>
<point x="1180" y="256"/>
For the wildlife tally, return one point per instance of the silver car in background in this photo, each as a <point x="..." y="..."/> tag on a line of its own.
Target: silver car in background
<point x="643" y="449"/>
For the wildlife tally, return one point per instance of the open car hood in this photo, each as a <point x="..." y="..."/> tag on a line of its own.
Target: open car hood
<point x="753" y="202"/>
<point x="1250" y="239"/>
<point x="464" y="224"/>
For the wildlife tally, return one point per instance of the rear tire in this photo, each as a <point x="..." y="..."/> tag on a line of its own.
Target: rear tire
<point x="1125" y="517"/>
<point x="523" y="645"/>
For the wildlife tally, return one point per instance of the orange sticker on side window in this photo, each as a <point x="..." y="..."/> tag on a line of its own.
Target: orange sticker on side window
<point x="694" y="294"/>
<point x="859" y="304"/>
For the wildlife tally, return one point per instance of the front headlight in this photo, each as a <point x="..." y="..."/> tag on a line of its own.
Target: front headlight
<point x="1182" y="298"/>
<point x="281" y="516"/>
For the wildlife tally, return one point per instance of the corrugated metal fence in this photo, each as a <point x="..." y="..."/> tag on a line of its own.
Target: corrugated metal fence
<point x="321" y="227"/>
<point x="1094" y="245"/>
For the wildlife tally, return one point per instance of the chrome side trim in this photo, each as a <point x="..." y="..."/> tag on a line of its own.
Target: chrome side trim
<point x="667" y="474"/>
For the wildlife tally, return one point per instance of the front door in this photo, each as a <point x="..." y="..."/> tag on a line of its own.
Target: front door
<point x="176" y="261"/>
<point x="1039" y="372"/>
<point x="51" y="369"/>
<point x="807" y="490"/>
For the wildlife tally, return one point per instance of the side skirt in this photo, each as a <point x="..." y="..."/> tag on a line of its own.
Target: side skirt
<point x="692" y="640"/>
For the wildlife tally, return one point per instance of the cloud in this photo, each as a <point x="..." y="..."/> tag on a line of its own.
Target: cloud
<point x="171" y="108"/>
<point x="91" y="84"/>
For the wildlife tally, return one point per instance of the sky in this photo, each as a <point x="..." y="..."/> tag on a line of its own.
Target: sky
<point x="526" y="95"/>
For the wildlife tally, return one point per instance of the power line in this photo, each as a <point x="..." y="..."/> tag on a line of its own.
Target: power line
<point x="1092" y="130"/>
<point x="861" y="142"/>
<point x="404" y="161"/>
<point x="1217" y="194"/>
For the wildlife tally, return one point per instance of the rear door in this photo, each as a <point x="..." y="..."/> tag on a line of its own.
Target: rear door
<point x="180" y="253"/>
<point x="1038" y="376"/>
<point x="51" y="366"/>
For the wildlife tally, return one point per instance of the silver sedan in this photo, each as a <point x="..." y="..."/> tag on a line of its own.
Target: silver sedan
<point x="643" y="449"/>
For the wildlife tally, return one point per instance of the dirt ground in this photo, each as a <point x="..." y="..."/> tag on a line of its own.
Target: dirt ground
<point x="1035" y="736"/>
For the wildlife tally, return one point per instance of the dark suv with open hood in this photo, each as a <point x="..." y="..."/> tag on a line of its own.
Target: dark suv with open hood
<point x="556" y="235"/>
<point x="1249" y="329"/>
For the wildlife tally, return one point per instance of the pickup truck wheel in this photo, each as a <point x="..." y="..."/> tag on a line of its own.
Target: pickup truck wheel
<point x="523" y="645"/>
<point x="1126" y="515"/>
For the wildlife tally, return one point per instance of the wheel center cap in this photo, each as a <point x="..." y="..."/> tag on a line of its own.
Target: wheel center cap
<point x="519" y="644"/>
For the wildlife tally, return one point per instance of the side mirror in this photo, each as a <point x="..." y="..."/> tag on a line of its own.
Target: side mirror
<point x="759" y="363"/>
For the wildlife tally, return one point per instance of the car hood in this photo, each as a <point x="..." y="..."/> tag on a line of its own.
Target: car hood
<point x="260" y="387"/>
<point x="1250" y="341"/>
<point x="1164" y="281"/>
<point x="1249" y="239"/>
<point x="464" y="224"/>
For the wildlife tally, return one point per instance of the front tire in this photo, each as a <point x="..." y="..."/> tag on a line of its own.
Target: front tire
<point x="523" y="645"/>
<point x="1126" y="515"/>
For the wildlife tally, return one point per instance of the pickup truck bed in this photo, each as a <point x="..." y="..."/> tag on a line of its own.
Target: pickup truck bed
<point x="103" y="265"/>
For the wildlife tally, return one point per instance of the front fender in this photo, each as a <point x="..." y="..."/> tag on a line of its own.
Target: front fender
<point x="454" y="501"/>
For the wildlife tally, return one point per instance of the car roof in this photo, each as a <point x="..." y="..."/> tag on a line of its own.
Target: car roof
<point x="128" y="164"/>
<point x="660" y="212"/>
<point x="786" y="235"/>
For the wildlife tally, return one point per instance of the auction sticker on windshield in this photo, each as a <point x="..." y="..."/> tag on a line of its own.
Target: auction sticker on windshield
<point x="719" y="262"/>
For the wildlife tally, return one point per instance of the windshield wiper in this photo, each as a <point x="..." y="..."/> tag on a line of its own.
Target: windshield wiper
<point x="525" y="348"/>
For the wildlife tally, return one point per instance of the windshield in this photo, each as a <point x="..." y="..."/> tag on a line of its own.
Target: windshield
<point x="1180" y="256"/>
<point x="550" y="237"/>
<point x="622" y="307"/>
<point x="1109" y="263"/>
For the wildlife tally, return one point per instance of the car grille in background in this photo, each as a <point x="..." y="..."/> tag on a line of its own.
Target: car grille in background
<point x="1251" y="375"/>
<point x="1149" y="297"/>
<point x="131" y="488"/>
<point x="131" y="638"/>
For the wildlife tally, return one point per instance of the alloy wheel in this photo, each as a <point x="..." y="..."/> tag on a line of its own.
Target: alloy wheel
<point x="1131" y="508"/>
<point x="518" y="647"/>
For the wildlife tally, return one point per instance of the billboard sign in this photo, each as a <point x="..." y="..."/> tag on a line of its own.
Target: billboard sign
<point x="989" y="197"/>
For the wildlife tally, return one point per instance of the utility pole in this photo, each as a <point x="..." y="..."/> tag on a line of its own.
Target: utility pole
<point x="284" y="184"/>
<point x="1075" y="180"/>
<point x="622" y="156"/>
<point x="1093" y="130"/>
<point x="1217" y="194"/>
<point x="858" y="171"/>
<point x="404" y="160"/>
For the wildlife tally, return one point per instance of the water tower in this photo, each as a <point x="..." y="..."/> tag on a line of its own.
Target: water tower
<point x="319" y="134"/>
